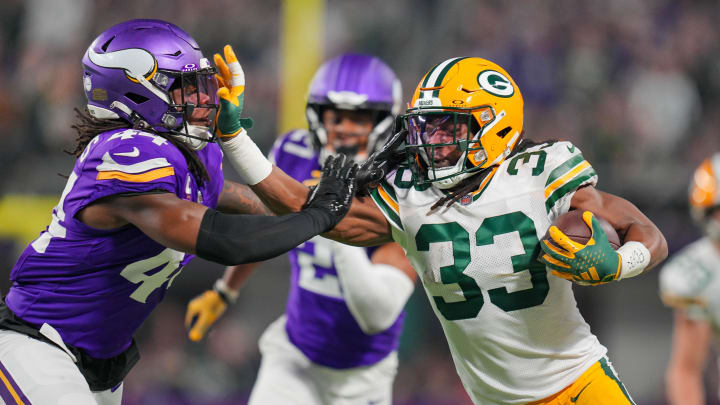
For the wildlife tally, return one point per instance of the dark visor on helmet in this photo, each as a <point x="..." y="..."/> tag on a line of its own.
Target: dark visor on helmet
<point x="193" y="95"/>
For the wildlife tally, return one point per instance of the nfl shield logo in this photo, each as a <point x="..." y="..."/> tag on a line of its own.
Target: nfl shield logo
<point x="466" y="199"/>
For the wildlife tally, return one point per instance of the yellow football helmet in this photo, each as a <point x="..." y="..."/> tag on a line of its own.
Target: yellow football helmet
<point x="466" y="115"/>
<point x="705" y="195"/>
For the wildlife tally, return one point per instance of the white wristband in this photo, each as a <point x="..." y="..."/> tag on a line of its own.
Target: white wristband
<point x="246" y="158"/>
<point x="230" y="294"/>
<point x="635" y="257"/>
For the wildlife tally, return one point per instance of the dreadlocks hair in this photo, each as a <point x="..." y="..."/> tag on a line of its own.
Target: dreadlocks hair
<point x="88" y="127"/>
<point x="473" y="182"/>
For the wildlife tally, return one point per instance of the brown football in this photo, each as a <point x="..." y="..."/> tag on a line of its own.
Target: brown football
<point x="572" y="224"/>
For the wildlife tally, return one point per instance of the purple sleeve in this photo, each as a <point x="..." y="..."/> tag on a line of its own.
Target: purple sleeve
<point x="132" y="164"/>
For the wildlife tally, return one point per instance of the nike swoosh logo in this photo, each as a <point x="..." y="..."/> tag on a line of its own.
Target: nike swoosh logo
<point x="575" y="398"/>
<point x="571" y="149"/>
<point x="134" y="153"/>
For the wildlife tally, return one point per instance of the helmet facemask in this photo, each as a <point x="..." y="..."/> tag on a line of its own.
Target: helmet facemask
<point x="445" y="144"/>
<point x="193" y="106"/>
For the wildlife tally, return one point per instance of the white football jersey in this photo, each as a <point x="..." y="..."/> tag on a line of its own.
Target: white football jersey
<point x="691" y="279"/>
<point x="513" y="328"/>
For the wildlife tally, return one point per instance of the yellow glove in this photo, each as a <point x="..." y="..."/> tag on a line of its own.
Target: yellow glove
<point x="202" y="312"/>
<point x="231" y="93"/>
<point x="592" y="263"/>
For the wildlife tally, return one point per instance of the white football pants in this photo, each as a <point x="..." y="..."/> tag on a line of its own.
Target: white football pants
<point x="38" y="373"/>
<point x="287" y="376"/>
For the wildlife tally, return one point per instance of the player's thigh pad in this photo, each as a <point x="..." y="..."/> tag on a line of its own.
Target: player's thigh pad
<point x="284" y="376"/>
<point x="36" y="372"/>
<point x="598" y="385"/>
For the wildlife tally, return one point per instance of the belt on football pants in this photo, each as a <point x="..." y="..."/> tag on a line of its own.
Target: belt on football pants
<point x="100" y="374"/>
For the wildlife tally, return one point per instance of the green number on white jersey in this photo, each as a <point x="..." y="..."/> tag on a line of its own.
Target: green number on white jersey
<point x="517" y="224"/>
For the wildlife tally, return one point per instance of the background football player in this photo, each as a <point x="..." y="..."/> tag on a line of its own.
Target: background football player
<point x="139" y="203"/>
<point x="470" y="208"/>
<point x="338" y="337"/>
<point x="689" y="282"/>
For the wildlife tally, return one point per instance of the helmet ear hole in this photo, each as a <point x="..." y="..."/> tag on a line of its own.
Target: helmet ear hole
<point x="136" y="98"/>
<point x="105" y="46"/>
<point x="503" y="132"/>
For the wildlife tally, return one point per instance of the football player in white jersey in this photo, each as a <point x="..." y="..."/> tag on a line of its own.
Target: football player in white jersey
<point x="690" y="283"/>
<point x="469" y="207"/>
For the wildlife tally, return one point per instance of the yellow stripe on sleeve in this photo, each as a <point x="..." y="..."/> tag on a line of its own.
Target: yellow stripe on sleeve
<point x="564" y="179"/>
<point x="386" y="197"/>
<point x="137" y="178"/>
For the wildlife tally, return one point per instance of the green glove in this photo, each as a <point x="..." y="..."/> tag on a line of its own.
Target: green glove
<point x="231" y="93"/>
<point x="592" y="263"/>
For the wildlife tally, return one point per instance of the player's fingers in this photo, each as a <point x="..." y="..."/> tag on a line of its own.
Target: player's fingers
<point x="554" y="262"/>
<point x="222" y="68"/>
<point x="563" y="240"/>
<point x="201" y="325"/>
<point x="224" y="94"/>
<point x="562" y="275"/>
<point x="587" y="217"/>
<point x="556" y="252"/>
<point x="220" y="81"/>
<point x="327" y="166"/>
<point x="190" y="315"/>
<point x="238" y="75"/>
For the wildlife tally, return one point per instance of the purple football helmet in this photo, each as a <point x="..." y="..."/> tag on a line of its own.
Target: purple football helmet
<point x="354" y="82"/>
<point x="151" y="73"/>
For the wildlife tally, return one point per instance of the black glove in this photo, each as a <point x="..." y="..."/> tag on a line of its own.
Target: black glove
<point x="380" y="163"/>
<point x="336" y="189"/>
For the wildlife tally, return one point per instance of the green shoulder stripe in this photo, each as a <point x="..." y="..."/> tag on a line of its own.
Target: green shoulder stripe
<point x="386" y="209"/>
<point x="570" y="186"/>
<point x="564" y="168"/>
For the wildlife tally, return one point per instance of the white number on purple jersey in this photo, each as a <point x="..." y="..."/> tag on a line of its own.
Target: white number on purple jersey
<point x="135" y="273"/>
<point x="325" y="284"/>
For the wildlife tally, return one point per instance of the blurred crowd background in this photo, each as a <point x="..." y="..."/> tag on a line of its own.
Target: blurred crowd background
<point x="634" y="83"/>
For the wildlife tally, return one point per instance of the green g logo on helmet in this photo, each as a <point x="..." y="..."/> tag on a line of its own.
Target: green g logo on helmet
<point x="495" y="83"/>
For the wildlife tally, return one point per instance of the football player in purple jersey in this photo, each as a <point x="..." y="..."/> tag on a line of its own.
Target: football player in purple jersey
<point x="337" y="341"/>
<point x="146" y="194"/>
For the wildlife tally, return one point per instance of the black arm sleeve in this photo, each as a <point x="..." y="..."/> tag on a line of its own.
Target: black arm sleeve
<point x="236" y="239"/>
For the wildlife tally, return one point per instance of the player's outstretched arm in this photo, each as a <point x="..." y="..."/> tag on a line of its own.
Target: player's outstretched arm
<point x="640" y="236"/>
<point x="205" y="309"/>
<point x="240" y="199"/>
<point x="364" y="224"/>
<point x="690" y="348"/>
<point x="226" y="238"/>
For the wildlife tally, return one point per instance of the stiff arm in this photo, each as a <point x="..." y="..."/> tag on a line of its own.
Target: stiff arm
<point x="364" y="225"/>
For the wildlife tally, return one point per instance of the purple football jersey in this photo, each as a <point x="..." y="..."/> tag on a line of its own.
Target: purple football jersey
<point x="96" y="287"/>
<point x="319" y="322"/>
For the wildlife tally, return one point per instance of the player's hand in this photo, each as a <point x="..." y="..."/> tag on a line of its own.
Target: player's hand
<point x="382" y="162"/>
<point x="202" y="312"/>
<point x="592" y="263"/>
<point x="231" y="93"/>
<point x="336" y="189"/>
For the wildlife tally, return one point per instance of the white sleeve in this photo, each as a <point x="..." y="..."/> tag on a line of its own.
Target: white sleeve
<point x="374" y="293"/>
